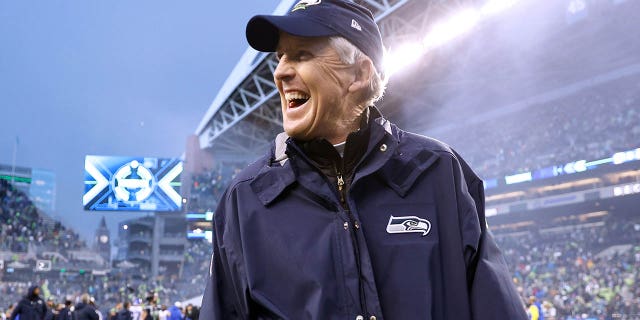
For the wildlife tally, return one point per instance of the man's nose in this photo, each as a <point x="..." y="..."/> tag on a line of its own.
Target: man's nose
<point x="284" y="70"/>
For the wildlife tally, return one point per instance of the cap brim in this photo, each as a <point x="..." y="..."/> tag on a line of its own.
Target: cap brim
<point x="263" y="32"/>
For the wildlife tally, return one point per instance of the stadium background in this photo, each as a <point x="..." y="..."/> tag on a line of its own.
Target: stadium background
<point x="543" y="101"/>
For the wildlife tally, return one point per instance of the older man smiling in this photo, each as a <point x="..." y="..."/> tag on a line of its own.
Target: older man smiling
<point x="348" y="216"/>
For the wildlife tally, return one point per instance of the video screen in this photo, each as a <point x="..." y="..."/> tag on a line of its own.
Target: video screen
<point x="132" y="184"/>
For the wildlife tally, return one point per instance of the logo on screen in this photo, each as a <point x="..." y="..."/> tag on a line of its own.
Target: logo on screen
<point x="132" y="184"/>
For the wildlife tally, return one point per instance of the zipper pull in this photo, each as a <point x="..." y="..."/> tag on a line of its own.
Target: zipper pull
<point x="340" y="182"/>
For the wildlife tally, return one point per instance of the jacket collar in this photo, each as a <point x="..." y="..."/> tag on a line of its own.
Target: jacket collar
<point x="399" y="166"/>
<point x="272" y="179"/>
<point x="405" y="167"/>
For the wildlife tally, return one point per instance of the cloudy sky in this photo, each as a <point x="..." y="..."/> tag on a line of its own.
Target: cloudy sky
<point x="110" y="78"/>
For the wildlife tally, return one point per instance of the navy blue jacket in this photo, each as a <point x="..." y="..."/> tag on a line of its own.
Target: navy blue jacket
<point x="124" y="314"/>
<point x="31" y="307"/>
<point x="85" y="311"/>
<point x="65" y="314"/>
<point x="409" y="243"/>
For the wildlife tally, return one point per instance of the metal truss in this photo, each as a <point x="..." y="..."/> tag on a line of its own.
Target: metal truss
<point x="251" y="117"/>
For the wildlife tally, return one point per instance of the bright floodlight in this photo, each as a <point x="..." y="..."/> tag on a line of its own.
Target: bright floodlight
<point x="443" y="32"/>
<point x="405" y="55"/>
<point x="496" y="6"/>
<point x="457" y="25"/>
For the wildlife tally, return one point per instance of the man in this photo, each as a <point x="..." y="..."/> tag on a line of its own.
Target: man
<point x="92" y="303"/>
<point x="164" y="314"/>
<point x="65" y="312"/>
<point x="52" y="313"/>
<point x="191" y="312"/>
<point x="85" y="310"/>
<point x="349" y="217"/>
<point x="125" y="313"/>
<point x="535" y="309"/>
<point x="31" y="307"/>
<point x="176" y="311"/>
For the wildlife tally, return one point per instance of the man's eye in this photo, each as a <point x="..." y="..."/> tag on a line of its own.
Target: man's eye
<point x="303" y="55"/>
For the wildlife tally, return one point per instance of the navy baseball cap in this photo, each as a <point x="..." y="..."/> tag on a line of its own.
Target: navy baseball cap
<point x="320" y="18"/>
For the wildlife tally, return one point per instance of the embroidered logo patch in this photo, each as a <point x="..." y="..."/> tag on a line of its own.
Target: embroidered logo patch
<point x="355" y="25"/>
<point x="303" y="4"/>
<point x="408" y="224"/>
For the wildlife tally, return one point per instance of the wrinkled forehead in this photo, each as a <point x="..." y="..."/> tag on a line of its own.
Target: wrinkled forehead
<point x="288" y="42"/>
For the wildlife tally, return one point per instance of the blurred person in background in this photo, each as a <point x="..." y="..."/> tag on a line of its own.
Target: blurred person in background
<point x="534" y="311"/>
<point x="84" y="310"/>
<point x="348" y="216"/>
<point x="549" y="311"/>
<point x="65" y="311"/>
<point x="163" y="314"/>
<point x="113" y="314"/>
<point x="7" y="313"/>
<point x="92" y="303"/>
<point x="125" y="313"/>
<point x="176" y="311"/>
<point x="191" y="312"/>
<point x="52" y="313"/>
<point x="30" y="307"/>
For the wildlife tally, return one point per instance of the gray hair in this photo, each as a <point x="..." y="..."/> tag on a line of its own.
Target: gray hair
<point x="350" y="54"/>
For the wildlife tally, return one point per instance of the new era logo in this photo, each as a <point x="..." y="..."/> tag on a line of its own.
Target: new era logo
<point x="355" y="25"/>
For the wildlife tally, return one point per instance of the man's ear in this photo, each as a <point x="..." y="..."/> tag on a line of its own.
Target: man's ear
<point x="363" y="74"/>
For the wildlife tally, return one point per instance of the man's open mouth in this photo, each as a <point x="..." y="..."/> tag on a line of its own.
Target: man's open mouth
<point x="296" y="99"/>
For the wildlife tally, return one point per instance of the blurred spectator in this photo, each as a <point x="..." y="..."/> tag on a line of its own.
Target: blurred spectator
<point x="31" y="307"/>
<point x="65" y="312"/>
<point x="84" y="310"/>
<point x="176" y="311"/>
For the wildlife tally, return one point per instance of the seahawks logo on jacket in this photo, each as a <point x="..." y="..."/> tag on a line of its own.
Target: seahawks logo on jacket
<point x="408" y="224"/>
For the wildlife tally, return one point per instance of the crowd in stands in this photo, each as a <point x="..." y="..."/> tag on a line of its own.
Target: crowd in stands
<point x="22" y="224"/>
<point x="556" y="132"/>
<point x="25" y="238"/>
<point x="573" y="271"/>
<point x="208" y="187"/>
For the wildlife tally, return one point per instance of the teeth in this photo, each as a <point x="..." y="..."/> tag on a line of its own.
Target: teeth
<point x="290" y="96"/>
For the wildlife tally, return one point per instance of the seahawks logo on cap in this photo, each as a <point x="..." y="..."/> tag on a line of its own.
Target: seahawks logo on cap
<point x="408" y="224"/>
<point x="303" y="4"/>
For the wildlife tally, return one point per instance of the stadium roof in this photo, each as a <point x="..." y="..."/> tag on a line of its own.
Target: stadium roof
<point x="245" y="114"/>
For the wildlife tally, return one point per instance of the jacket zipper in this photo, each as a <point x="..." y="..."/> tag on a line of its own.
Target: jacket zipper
<point x="356" y="226"/>
<point x="354" y="237"/>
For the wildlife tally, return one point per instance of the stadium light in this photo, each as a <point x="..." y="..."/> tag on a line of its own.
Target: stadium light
<point x="453" y="27"/>
<point x="492" y="7"/>
<point x="400" y="58"/>
<point x="457" y="25"/>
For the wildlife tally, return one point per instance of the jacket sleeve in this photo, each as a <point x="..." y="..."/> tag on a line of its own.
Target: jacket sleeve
<point x="492" y="294"/>
<point x="221" y="298"/>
